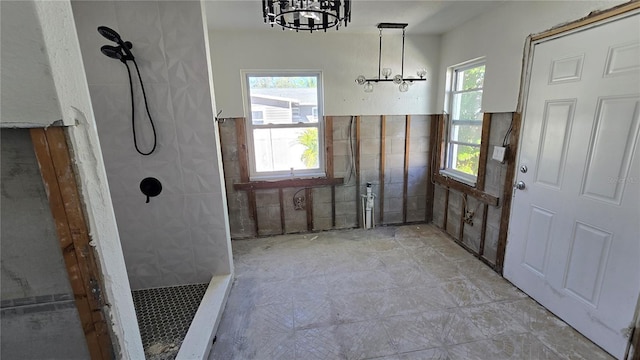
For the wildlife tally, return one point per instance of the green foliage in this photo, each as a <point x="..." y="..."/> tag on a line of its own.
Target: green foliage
<point x="283" y="82"/>
<point x="309" y="139"/>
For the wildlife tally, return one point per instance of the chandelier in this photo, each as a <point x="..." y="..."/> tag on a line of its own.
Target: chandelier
<point x="306" y="14"/>
<point x="385" y="73"/>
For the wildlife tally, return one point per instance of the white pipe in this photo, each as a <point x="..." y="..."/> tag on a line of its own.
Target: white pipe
<point x="368" y="208"/>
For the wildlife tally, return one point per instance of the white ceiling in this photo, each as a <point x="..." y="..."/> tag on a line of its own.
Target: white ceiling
<point x="423" y="17"/>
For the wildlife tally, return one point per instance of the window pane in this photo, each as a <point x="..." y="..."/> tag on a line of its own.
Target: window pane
<point x="467" y="106"/>
<point x="471" y="134"/>
<point x="283" y="149"/>
<point x="465" y="158"/>
<point x="470" y="78"/>
<point x="284" y="99"/>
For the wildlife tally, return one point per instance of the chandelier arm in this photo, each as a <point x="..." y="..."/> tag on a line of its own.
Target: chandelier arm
<point x="380" y="54"/>
<point x="402" y="68"/>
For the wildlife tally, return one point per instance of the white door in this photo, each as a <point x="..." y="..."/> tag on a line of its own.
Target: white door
<point x="574" y="233"/>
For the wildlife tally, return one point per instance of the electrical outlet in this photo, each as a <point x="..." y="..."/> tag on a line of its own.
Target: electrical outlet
<point x="468" y="217"/>
<point x="499" y="153"/>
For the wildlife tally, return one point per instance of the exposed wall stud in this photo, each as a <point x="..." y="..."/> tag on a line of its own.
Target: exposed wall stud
<point x="328" y="141"/>
<point x="281" y="199"/>
<point x="483" y="231"/>
<point x="433" y="129"/>
<point x="446" y="209"/>
<point x="383" y="156"/>
<point x="357" y="166"/>
<point x="309" y="206"/>
<point x="405" y="181"/>
<point x="484" y="151"/>
<point x="57" y="172"/>
<point x="463" y="211"/>
<point x="508" y="191"/>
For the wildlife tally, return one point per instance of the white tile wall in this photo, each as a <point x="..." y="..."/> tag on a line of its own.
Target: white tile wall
<point x="180" y="237"/>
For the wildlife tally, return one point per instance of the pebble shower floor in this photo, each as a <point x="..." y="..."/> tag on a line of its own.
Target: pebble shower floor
<point x="164" y="316"/>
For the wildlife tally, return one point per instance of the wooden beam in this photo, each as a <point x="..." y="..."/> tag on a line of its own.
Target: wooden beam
<point x="463" y="211"/>
<point x="288" y="183"/>
<point x="446" y="209"/>
<point x="383" y="157"/>
<point x="433" y="142"/>
<point x="507" y="192"/>
<point x="309" y="207"/>
<point x="405" y="181"/>
<point x="589" y="19"/>
<point x="357" y="166"/>
<point x="58" y="175"/>
<point x="466" y="189"/>
<point x="243" y="162"/>
<point x="483" y="231"/>
<point x="329" y="167"/>
<point x="281" y="199"/>
<point x="484" y="151"/>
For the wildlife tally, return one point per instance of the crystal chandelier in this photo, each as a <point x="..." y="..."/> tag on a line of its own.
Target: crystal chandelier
<point x="306" y="15"/>
<point x="384" y="74"/>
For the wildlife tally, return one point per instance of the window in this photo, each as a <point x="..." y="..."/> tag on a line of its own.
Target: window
<point x="285" y="130"/>
<point x="464" y="129"/>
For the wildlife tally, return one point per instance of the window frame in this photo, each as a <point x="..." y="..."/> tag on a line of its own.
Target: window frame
<point x="447" y="168"/>
<point x="254" y="175"/>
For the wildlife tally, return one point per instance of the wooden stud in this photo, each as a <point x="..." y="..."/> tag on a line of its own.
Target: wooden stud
<point x="440" y="159"/>
<point x="281" y="199"/>
<point x="405" y="181"/>
<point x="288" y="183"/>
<point x="383" y="156"/>
<point x="54" y="160"/>
<point x="463" y="210"/>
<point x="590" y="19"/>
<point x="464" y="188"/>
<point x="357" y="166"/>
<point x="507" y="192"/>
<point x="243" y="161"/>
<point x="309" y="207"/>
<point x="328" y="142"/>
<point x="483" y="231"/>
<point x="433" y="141"/>
<point x="446" y="209"/>
<point x="484" y="151"/>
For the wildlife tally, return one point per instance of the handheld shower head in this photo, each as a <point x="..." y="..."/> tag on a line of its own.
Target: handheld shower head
<point x="110" y="34"/>
<point x="114" y="52"/>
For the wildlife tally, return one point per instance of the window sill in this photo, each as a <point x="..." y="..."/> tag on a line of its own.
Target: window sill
<point x="459" y="177"/>
<point x="288" y="183"/>
<point x="457" y="185"/>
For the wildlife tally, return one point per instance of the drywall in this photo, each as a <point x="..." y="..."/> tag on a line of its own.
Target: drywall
<point x="341" y="57"/>
<point x="180" y="236"/>
<point x="500" y="35"/>
<point x="27" y="93"/>
<point x="63" y="50"/>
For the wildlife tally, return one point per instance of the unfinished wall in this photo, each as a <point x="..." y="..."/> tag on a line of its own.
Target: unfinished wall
<point x="500" y="34"/>
<point x="357" y="165"/>
<point x="39" y="316"/>
<point x="181" y="236"/>
<point x="450" y="205"/>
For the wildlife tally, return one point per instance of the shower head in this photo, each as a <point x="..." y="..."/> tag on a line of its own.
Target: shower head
<point x="110" y="34"/>
<point x="114" y="52"/>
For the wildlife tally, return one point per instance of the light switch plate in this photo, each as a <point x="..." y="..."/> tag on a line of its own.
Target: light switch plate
<point x="498" y="153"/>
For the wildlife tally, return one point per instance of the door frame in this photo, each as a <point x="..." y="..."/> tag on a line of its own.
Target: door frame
<point x="593" y="19"/>
<point x="59" y="178"/>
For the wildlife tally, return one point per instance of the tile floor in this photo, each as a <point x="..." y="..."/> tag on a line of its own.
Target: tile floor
<point x="403" y="292"/>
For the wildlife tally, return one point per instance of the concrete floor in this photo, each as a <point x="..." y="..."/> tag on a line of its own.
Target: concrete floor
<point x="404" y="292"/>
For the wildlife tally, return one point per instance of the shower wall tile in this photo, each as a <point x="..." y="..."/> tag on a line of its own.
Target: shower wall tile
<point x="179" y="237"/>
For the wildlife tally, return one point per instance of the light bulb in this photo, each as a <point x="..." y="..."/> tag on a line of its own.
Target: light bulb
<point x="386" y="72"/>
<point x="422" y="72"/>
<point x="368" y="87"/>
<point x="404" y="87"/>
<point x="360" y="80"/>
<point x="397" y="79"/>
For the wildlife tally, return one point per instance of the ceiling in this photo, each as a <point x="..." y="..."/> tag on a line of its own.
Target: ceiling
<point x="423" y="17"/>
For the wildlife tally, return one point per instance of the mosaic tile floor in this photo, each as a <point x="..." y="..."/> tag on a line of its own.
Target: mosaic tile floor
<point x="164" y="316"/>
<point x="391" y="293"/>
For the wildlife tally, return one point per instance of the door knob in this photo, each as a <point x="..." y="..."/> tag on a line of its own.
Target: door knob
<point x="520" y="185"/>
